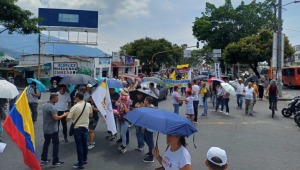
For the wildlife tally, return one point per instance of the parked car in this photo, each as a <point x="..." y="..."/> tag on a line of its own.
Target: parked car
<point x="163" y="89"/>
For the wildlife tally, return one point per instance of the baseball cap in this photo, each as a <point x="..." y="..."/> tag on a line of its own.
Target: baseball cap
<point x="89" y="85"/>
<point x="216" y="152"/>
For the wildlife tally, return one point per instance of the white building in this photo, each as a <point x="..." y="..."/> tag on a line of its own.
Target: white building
<point x="52" y="65"/>
<point x="296" y="56"/>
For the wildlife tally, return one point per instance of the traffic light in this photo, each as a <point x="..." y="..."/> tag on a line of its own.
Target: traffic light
<point x="197" y="44"/>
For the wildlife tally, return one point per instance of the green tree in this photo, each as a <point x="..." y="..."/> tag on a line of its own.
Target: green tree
<point x="146" y="47"/>
<point x="15" y="19"/>
<point x="217" y="27"/>
<point x="254" y="49"/>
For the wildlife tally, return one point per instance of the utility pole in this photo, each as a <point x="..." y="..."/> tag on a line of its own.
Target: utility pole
<point x="279" y="47"/>
<point x="39" y="58"/>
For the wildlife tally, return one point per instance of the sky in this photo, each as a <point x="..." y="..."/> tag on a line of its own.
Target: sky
<point x="123" y="21"/>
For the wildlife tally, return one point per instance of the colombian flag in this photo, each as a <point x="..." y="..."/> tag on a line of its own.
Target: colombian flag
<point x="18" y="125"/>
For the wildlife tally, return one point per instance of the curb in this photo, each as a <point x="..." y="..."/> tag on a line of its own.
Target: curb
<point x="284" y="99"/>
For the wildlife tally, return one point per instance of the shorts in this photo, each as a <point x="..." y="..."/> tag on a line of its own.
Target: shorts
<point x="93" y="124"/>
<point x="189" y="111"/>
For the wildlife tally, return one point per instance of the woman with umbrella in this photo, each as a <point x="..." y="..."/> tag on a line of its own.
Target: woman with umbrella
<point x="176" y="156"/>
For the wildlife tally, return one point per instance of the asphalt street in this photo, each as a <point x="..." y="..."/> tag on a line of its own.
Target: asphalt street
<point x="257" y="142"/>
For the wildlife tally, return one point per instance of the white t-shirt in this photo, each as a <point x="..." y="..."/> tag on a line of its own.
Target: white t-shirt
<point x="239" y="88"/>
<point x="249" y="92"/>
<point x="176" y="160"/>
<point x="63" y="100"/>
<point x="196" y="89"/>
<point x="174" y="96"/>
<point x="189" y="101"/>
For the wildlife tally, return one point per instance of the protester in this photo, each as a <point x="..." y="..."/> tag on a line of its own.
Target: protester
<point x="200" y="98"/>
<point x="250" y="97"/>
<point x="50" y="129"/>
<point x="213" y="89"/>
<point x="153" y="90"/>
<point x="189" y="106"/>
<point x="139" y="130"/>
<point x="204" y="94"/>
<point x="239" y="93"/>
<point x="33" y="95"/>
<point x="114" y="97"/>
<point x="2" y="115"/>
<point x="176" y="99"/>
<point x="219" y="92"/>
<point x="189" y="88"/>
<point x="88" y="93"/>
<point x="216" y="159"/>
<point x="148" y="133"/>
<point x="81" y="112"/>
<point x="63" y="105"/>
<point x="226" y="98"/>
<point x="272" y="92"/>
<point x="92" y="124"/>
<point x="54" y="87"/>
<point x="260" y="89"/>
<point x="255" y="90"/>
<point x="195" y="92"/>
<point x="176" y="156"/>
<point x="123" y="107"/>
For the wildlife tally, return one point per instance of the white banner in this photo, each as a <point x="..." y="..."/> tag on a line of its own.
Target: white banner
<point x="102" y="100"/>
<point x="217" y="70"/>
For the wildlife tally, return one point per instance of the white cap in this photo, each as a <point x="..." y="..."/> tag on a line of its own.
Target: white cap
<point x="89" y="85"/>
<point x="219" y="153"/>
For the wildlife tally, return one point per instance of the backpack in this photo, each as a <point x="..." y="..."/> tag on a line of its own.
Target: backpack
<point x="40" y="94"/>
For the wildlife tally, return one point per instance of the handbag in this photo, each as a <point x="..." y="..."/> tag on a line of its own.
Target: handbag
<point x="71" y="130"/>
<point x="180" y="103"/>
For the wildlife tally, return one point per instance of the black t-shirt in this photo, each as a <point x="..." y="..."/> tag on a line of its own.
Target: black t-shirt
<point x="95" y="113"/>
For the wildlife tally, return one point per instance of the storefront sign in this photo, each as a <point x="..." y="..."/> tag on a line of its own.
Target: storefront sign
<point x="47" y="66"/>
<point x="104" y="61"/>
<point x="64" y="68"/>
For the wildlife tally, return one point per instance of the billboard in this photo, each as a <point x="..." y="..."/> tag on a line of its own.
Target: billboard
<point x="65" y="68"/>
<point x="68" y="20"/>
<point x="129" y="60"/>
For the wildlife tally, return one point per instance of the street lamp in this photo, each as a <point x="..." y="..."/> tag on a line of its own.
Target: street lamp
<point x="279" y="41"/>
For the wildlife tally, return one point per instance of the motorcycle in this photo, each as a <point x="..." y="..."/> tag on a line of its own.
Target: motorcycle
<point x="292" y="108"/>
<point x="297" y="118"/>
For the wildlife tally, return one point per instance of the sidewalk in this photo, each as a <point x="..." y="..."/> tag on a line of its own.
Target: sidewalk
<point x="287" y="95"/>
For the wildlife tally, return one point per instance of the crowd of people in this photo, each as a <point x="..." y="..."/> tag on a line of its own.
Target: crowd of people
<point x="79" y="107"/>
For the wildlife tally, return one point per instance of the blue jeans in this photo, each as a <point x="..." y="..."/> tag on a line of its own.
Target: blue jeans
<point x="213" y="99"/>
<point x="176" y="108"/>
<point x="225" y="102"/>
<point x="195" y="105"/>
<point x="239" y="100"/>
<point x="124" y="127"/>
<point x="55" y="142"/>
<point x="219" y="102"/>
<point x="139" y="136"/>
<point x="273" y="99"/>
<point x="150" y="142"/>
<point x="205" y="108"/>
<point x="80" y="136"/>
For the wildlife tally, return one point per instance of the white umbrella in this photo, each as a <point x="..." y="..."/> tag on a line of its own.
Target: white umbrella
<point x="8" y="90"/>
<point x="227" y="87"/>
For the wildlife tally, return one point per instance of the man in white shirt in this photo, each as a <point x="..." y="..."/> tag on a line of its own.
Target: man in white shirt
<point x="195" y="92"/>
<point x="250" y="96"/>
<point x="63" y="105"/>
<point x="239" y="93"/>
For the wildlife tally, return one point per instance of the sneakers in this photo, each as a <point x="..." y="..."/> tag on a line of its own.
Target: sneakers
<point x="57" y="164"/>
<point x="221" y="111"/>
<point x="66" y="140"/>
<point x="147" y="159"/>
<point x="123" y="149"/>
<point x="77" y="166"/>
<point x="139" y="148"/>
<point x="214" y="110"/>
<point x="148" y="154"/>
<point x="42" y="163"/>
<point x="91" y="146"/>
<point x="226" y="113"/>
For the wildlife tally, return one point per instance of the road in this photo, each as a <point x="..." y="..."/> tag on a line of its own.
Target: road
<point x="257" y="142"/>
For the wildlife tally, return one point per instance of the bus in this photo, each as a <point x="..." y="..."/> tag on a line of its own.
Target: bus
<point x="291" y="76"/>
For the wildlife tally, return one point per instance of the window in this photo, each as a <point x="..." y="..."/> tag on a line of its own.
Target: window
<point x="298" y="70"/>
<point x="74" y="18"/>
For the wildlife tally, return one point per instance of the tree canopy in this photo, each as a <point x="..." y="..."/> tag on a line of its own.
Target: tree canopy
<point x="15" y="19"/>
<point x="145" y="48"/>
<point x="254" y="49"/>
<point x="217" y="27"/>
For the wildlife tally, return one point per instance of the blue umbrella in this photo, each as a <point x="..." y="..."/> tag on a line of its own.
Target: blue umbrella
<point x="112" y="83"/>
<point x="162" y="121"/>
<point x="39" y="85"/>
